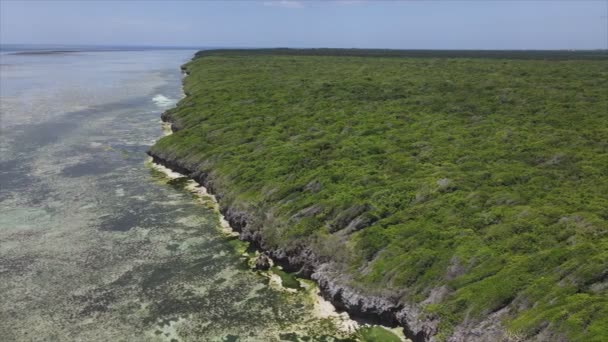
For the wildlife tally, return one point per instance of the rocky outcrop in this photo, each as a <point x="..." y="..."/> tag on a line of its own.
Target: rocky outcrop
<point x="262" y="262"/>
<point x="384" y="310"/>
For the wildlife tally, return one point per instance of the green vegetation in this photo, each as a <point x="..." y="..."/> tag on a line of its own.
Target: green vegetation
<point x="487" y="178"/>
<point x="376" y="334"/>
<point x="288" y="280"/>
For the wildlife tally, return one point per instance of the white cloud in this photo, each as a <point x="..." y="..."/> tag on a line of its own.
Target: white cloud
<point x="284" y="3"/>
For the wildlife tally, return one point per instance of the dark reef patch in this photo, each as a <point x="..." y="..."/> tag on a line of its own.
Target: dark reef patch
<point x="122" y="223"/>
<point x="88" y="168"/>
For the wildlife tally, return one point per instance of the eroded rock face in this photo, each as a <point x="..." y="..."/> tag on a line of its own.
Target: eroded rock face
<point x="384" y="309"/>
<point x="303" y="261"/>
<point x="262" y="262"/>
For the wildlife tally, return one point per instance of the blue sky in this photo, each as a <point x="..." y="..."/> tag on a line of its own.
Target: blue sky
<point x="480" y="24"/>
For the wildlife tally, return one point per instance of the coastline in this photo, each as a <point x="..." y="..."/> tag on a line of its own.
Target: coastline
<point x="328" y="296"/>
<point x="324" y="306"/>
<point x="305" y="264"/>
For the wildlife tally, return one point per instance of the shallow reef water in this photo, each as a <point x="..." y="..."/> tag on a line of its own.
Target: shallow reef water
<point x="98" y="245"/>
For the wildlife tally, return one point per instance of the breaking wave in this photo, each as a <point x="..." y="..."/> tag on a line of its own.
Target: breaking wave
<point x="163" y="101"/>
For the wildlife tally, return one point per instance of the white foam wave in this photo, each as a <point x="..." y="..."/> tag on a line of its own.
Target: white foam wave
<point x="163" y="101"/>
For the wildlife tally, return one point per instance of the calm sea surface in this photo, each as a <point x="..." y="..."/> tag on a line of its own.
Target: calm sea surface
<point x="95" y="244"/>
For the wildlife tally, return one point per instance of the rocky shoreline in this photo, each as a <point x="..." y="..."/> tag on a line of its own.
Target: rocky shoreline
<point x="306" y="265"/>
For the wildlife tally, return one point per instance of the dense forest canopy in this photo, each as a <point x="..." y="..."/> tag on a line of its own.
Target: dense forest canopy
<point x="467" y="182"/>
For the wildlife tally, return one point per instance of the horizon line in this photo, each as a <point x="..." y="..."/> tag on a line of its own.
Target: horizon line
<point x="283" y="47"/>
